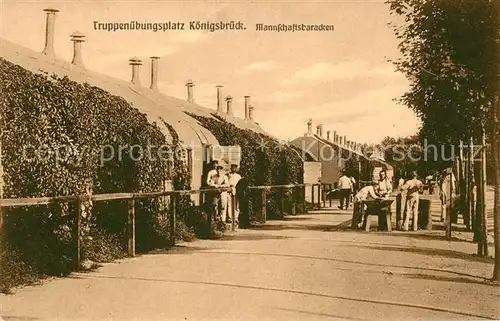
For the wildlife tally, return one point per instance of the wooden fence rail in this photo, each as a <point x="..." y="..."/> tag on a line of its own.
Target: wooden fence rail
<point x="131" y="197"/>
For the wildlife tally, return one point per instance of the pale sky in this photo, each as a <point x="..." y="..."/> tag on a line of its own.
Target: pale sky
<point x="340" y="79"/>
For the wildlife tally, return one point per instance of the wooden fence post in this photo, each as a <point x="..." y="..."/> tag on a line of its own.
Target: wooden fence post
<point x="323" y="194"/>
<point x="293" y="209"/>
<point x="264" y="205"/>
<point x="304" y="201"/>
<point x="131" y="228"/>
<point x="233" y="213"/>
<point x="312" y="196"/>
<point x="283" y="194"/>
<point x="330" y="192"/>
<point x="172" y="221"/>
<point x="78" y="232"/>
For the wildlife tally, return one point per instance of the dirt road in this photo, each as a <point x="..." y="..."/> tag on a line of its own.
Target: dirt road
<point x="300" y="268"/>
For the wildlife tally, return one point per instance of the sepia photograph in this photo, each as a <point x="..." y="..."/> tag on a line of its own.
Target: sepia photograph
<point x="249" y="160"/>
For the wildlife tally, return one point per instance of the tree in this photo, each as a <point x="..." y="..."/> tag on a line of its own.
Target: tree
<point x="450" y="55"/>
<point x="496" y="153"/>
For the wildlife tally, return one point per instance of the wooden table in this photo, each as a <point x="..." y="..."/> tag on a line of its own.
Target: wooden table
<point x="376" y="207"/>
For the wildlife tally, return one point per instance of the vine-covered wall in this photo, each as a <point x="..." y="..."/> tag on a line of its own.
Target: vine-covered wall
<point x="264" y="161"/>
<point x="63" y="138"/>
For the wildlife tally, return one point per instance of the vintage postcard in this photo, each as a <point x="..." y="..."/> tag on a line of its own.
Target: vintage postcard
<point x="250" y="159"/>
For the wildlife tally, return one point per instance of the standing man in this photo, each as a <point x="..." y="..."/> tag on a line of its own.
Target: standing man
<point x="384" y="185"/>
<point x="400" y="202"/>
<point x="217" y="180"/>
<point x="345" y="187"/>
<point x="233" y="178"/>
<point x="412" y="188"/>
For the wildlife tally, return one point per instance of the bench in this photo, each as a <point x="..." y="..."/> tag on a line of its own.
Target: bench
<point x="377" y="207"/>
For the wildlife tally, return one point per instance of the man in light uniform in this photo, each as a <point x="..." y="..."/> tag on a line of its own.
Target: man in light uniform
<point x="412" y="189"/>
<point x="233" y="178"/>
<point x="364" y="194"/>
<point x="218" y="179"/>
<point x="345" y="188"/>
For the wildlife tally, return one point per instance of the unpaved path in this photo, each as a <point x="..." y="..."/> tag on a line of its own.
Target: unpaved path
<point x="296" y="269"/>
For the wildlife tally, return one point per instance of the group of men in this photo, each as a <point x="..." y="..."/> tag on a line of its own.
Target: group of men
<point x="220" y="202"/>
<point x="382" y="189"/>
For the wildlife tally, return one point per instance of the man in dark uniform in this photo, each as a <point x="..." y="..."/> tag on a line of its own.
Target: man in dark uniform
<point x="242" y="196"/>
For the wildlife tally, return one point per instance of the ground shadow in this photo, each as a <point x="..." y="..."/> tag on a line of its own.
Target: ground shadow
<point x="311" y="313"/>
<point x="16" y="318"/>
<point x="428" y="252"/>
<point x="447" y="279"/>
<point x="252" y="237"/>
<point x="419" y="235"/>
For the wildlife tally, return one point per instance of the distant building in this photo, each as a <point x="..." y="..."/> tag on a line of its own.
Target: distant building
<point x="335" y="154"/>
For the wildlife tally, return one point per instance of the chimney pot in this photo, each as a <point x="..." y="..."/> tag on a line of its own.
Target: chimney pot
<point x="229" y="106"/>
<point x="250" y="112"/>
<point x="247" y="107"/>
<point x="345" y="140"/>
<point x="154" y="73"/>
<point x="220" y="100"/>
<point x="319" y="130"/>
<point x="135" y="63"/>
<point x="340" y="140"/>
<point x="49" y="32"/>
<point x="190" y="85"/>
<point x="328" y="138"/>
<point x="309" y="127"/>
<point x="77" y="38"/>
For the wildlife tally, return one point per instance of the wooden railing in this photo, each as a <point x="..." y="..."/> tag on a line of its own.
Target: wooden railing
<point x="131" y="197"/>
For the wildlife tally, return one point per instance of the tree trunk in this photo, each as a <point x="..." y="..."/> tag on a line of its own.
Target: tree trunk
<point x="470" y="191"/>
<point x="496" y="159"/>
<point x="463" y="187"/>
<point x="479" y="218"/>
<point x="484" y="231"/>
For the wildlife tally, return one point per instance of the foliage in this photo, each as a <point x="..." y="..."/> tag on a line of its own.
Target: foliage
<point x="264" y="161"/>
<point x="450" y="56"/>
<point x="79" y="131"/>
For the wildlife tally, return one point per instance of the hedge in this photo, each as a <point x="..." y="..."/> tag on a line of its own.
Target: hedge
<point x="264" y="161"/>
<point x="82" y="122"/>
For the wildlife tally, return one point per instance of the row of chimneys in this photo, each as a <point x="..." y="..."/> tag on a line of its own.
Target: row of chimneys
<point x="78" y="38"/>
<point x="339" y="140"/>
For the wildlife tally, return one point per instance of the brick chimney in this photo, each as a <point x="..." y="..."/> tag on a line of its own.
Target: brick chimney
<point x="154" y="73"/>
<point x="49" y="32"/>
<point x="229" y="105"/>
<point x="190" y="85"/>
<point x="77" y="38"/>
<point x="309" y="127"/>
<point x="220" y="100"/>
<point x="251" y="110"/>
<point x="247" y="107"/>
<point x="135" y="63"/>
